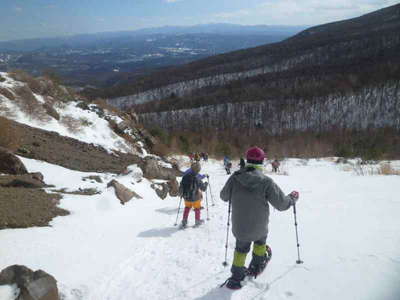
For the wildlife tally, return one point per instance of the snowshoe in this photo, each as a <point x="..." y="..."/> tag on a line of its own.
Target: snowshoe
<point x="258" y="264"/>
<point x="238" y="275"/>
<point x="198" y="223"/>
<point x="183" y="224"/>
<point x="234" y="284"/>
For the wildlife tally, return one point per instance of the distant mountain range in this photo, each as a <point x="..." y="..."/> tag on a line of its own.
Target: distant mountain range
<point x="340" y="75"/>
<point x="106" y="38"/>
<point x="108" y="58"/>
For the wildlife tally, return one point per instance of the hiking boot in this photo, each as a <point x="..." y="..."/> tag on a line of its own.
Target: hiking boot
<point x="234" y="284"/>
<point x="259" y="263"/>
<point x="238" y="274"/>
<point x="199" y="222"/>
<point x="183" y="224"/>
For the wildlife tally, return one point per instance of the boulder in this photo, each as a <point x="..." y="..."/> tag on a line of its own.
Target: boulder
<point x="173" y="187"/>
<point x="122" y="192"/>
<point x="11" y="164"/>
<point x="51" y="111"/>
<point x="152" y="170"/>
<point x="161" y="189"/>
<point x="38" y="176"/>
<point x="32" y="285"/>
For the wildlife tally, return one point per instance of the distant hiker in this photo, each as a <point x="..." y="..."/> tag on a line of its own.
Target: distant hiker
<point x="275" y="165"/>
<point x="250" y="192"/>
<point x="227" y="165"/>
<point x="242" y="163"/>
<point x="190" y="189"/>
<point x="206" y="156"/>
<point x="202" y="155"/>
<point x="191" y="156"/>
<point x="197" y="157"/>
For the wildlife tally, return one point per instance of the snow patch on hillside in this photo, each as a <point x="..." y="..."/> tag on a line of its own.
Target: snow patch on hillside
<point x="75" y="122"/>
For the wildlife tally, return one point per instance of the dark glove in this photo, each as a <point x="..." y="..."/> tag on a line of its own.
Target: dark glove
<point x="205" y="185"/>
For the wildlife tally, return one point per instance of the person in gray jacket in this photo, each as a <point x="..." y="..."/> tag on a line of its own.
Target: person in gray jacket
<point x="250" y="193"/>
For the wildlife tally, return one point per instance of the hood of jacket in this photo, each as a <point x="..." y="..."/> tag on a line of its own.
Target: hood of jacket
<point x="250" y="178"/>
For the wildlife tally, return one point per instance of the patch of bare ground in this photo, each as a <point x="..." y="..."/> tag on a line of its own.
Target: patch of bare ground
<point x="80" y="191"/>
<point x="24" y="207"/>
<point x="70" y="153"/>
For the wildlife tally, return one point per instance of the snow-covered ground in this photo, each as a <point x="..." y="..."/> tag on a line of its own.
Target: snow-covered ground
<point x="348" y="228"/>
<point x="89" y="127"/>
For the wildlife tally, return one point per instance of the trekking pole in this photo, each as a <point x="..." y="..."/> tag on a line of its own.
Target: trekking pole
<point x="212" y="197"/>
<point x="298" y="261"/>
<point x="208" y="215"/>
<point x="179" y="208"/>
<point x="225" y="263"/>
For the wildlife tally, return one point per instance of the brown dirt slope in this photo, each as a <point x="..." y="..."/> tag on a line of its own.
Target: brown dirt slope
<point x="70" y="153"/>
<point x="22" y="207"/>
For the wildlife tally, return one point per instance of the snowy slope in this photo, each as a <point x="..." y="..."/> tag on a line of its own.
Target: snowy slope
<point x="348" y="229"/>
<point x="94" y="130"/>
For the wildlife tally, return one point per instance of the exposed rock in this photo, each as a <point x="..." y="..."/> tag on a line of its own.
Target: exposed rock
<point x="135" y="171"/>
<point x="38" y="176"/>
<point x="152" y="170"/>
<point x="122" y="126"/>
<point x="71" y="153"/>
<point x="122" y="192"/>
<point x="161" y="189"/>
<point x="24" y="150"/>
<point x="80" y="191"/>
<point x="10" y="164"/>
<point x="173" y="186"/>
<point x="33" y="181"/>
<point x="93" y="177"/>
<point x="51" y="111"/>
<point x="33" y="285"/>
<point x="147" y="137"/>
<point x="83" y="105"/>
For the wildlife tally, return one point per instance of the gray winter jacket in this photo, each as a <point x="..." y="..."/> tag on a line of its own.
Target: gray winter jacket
<point x="250" y="191"/>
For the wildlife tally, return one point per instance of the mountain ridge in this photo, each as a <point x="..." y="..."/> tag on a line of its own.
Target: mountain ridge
<point x="300" y="45"/>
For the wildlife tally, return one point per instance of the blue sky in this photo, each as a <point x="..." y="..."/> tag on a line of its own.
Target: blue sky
<point x="45" y="18"/>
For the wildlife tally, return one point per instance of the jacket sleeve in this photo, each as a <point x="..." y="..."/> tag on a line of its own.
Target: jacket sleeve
<point x="276" y="197"/>
<point x="180" y="189"/>
<point x="226" y="190"/>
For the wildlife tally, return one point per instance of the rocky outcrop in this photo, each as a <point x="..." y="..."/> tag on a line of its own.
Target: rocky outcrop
<point x="161" y="189"/>
<point x="10" y="164"/>
<point x="153" y="170"/>
<point x="173" y="186"/>
<point x="51" y="111"/>
<point x="70" y="153"/>
<point x="122" y="192"/>
<point x="32" y="181"/>
<point x="164" y="189"/>
<point x="37" y="285"/>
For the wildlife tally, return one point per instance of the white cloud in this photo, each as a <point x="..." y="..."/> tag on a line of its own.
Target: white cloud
<point x="294" y="12"/>
<point x="172" y="1"/>
<point x="18" y="9"/>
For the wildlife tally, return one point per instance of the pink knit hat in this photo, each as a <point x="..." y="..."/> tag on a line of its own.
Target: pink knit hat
<point x="255" y="155"/>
